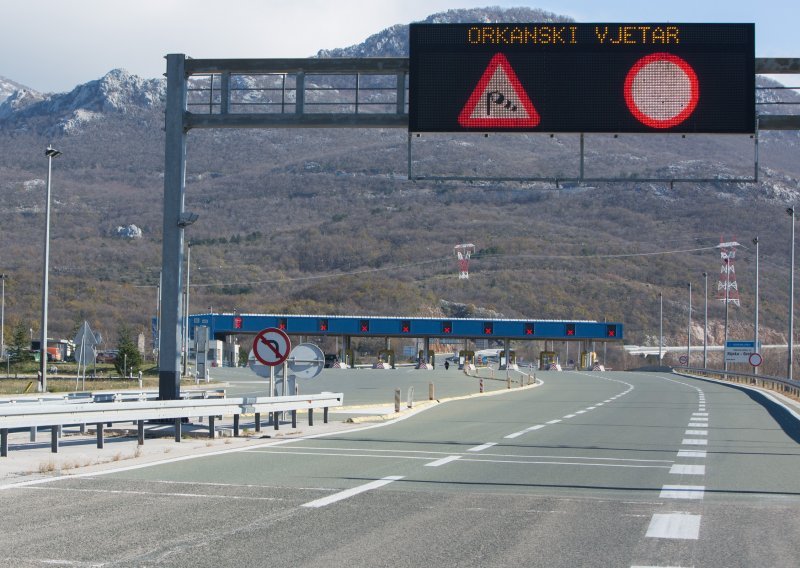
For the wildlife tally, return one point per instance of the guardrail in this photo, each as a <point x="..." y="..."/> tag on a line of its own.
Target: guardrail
<point x="784" y="386"/>
<point x="106" y="396"/>
<point x="56" y="415"/>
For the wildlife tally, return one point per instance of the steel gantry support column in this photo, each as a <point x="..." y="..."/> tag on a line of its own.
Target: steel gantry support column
<point x="169" y="371"/>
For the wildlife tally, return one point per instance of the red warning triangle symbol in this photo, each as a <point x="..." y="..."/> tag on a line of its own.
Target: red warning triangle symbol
<point x="499" y="101"/>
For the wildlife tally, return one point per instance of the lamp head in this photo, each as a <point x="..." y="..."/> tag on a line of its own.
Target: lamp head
<point x="51" y="152"/>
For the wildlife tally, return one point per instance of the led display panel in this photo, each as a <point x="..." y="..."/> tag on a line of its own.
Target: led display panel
<point x="568" y="77"/>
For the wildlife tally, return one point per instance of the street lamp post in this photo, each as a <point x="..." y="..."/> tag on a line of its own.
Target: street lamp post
<point x="705" y="323"/>
<point x="660" y="325"/>
<point x="3" y="319"/>
<point x="186" y="314"/>
<point x="790" y="211"/>
<point x="51" y="153"/>
<point x="755" y="325"/>
<point x="689" y="331"/>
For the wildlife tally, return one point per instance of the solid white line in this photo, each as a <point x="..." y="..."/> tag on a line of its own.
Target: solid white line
<point x="696" y="433"/>
<point x="682" y="492"/>
<point x="350" y="492"/>
<point x="674" y="525"/>
<point x="536" y="462"/>
<point x="442" y="461"/>
<point x="694" y="442"/>
<point x="692" y="454"/>
<point x="155" y="493"/>
<point x="683" y="469"/>
<point x="482" y="447"/>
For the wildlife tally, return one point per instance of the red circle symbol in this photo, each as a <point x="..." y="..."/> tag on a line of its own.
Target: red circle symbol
<point x="271" y="346"/>
<point x="661" y="90"/>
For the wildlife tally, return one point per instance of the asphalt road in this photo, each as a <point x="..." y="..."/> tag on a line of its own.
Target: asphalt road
<point x="589" y="469"/>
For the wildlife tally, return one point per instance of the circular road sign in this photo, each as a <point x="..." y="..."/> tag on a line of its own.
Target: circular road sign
<point x="306" y="361"/>
<point x="683" y="359"/>
<point x="661" y="90"/>
<point x="756" y="359"/>
<point x="271" y="346"/>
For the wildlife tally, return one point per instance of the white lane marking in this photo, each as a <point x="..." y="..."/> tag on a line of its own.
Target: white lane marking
<point x="699" y="419"/>
<point x="600" y="404"/>
<point x="694" y="442"/>
<point x="699" y="413"/>
<point x="607" y="401"/>
<point x="155" y="493"/>
<point x="442" y="461"/>
<point x="698" y="425"/>
<point x="696" y="433"/>
<point x="350" y="492"/>
<point x="298" y="452"/>
<point x="674" y="525"/>
<point x="570" y="416"/>
<point x="580" y="412"/>
<point x="525" y="431"/>
<point x="590" y="407"/>
<point x="482" y="447"/>
<point x="692" y="454"/>
<point x="536" y="462"/>
<point x="684" y="469"/>
<point x="682" y="492"/>
<point x="556" y="421"/>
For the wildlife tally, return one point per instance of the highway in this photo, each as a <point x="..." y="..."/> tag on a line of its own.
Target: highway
<point x="587" y="469"/>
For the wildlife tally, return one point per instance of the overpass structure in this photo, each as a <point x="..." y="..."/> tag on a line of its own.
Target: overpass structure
<point x="221" y="325"/>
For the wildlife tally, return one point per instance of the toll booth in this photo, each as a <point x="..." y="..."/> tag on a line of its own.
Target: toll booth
<point x="387" y="355"/>
<point x="465" y="358"/>
<point x="431" y="360"/>
<point x="547" y="358"/>
<point x="588" y="359"/>
<point x="512" y="360"/>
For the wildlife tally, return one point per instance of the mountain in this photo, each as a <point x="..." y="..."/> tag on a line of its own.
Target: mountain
<point x="9" y="87"/>
<point x="393" y="41"/>
<point x="117" y="92"/>
<point x="325" y="221"/>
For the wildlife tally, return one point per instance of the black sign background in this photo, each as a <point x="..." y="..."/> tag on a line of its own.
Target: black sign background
<point x="579" y="87"/>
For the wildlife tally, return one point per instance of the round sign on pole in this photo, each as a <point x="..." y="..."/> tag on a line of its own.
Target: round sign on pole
<point x="684" y="360"/>
<point x="271" y="346"/>
<point x="661" y="90"/>
<point x="756" y="359"/>
<point x="306" y="361"/>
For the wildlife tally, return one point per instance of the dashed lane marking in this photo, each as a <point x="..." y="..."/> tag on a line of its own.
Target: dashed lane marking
<point x="674" y="525"/>
<point x="682" y="492"/>
<point x="482" y="447"/>
<point x="686" y="469"/>
<point x="443" y="461"/>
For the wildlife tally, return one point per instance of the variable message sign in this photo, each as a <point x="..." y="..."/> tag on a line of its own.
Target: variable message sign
<point x="565" y="77"/>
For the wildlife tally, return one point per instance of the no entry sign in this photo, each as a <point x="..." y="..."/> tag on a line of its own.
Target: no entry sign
<point x="271" y="346"/>
<point x="566" y="77"/>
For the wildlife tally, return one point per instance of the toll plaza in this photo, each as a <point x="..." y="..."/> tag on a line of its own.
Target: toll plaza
<point x="221" y="326"/>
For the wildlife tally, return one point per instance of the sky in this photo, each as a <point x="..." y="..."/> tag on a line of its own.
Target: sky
<point x="52" y="46"/>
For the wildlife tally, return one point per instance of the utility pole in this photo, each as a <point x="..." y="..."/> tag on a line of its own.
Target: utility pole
<point x="660" y="325"/>
<point x="689" y="331"/>
<point x="705" y="324"/>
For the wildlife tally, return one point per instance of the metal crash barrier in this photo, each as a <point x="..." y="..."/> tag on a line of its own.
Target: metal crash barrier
<point x="58" y="414"/>
<point x="783" y="386"/>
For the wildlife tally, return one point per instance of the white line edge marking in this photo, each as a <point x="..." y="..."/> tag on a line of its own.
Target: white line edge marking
<point x="570" y="416"/>
<point x="556" y="421"/>
<point x="482" y="447"/>
<point x="692" y="454"/>
<point x="686" y="469"/>
<point x="442" y="461"/>
<point x="682" y="492"/>
<point x="674" y="525"/>
<point x="351" y="492"/>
